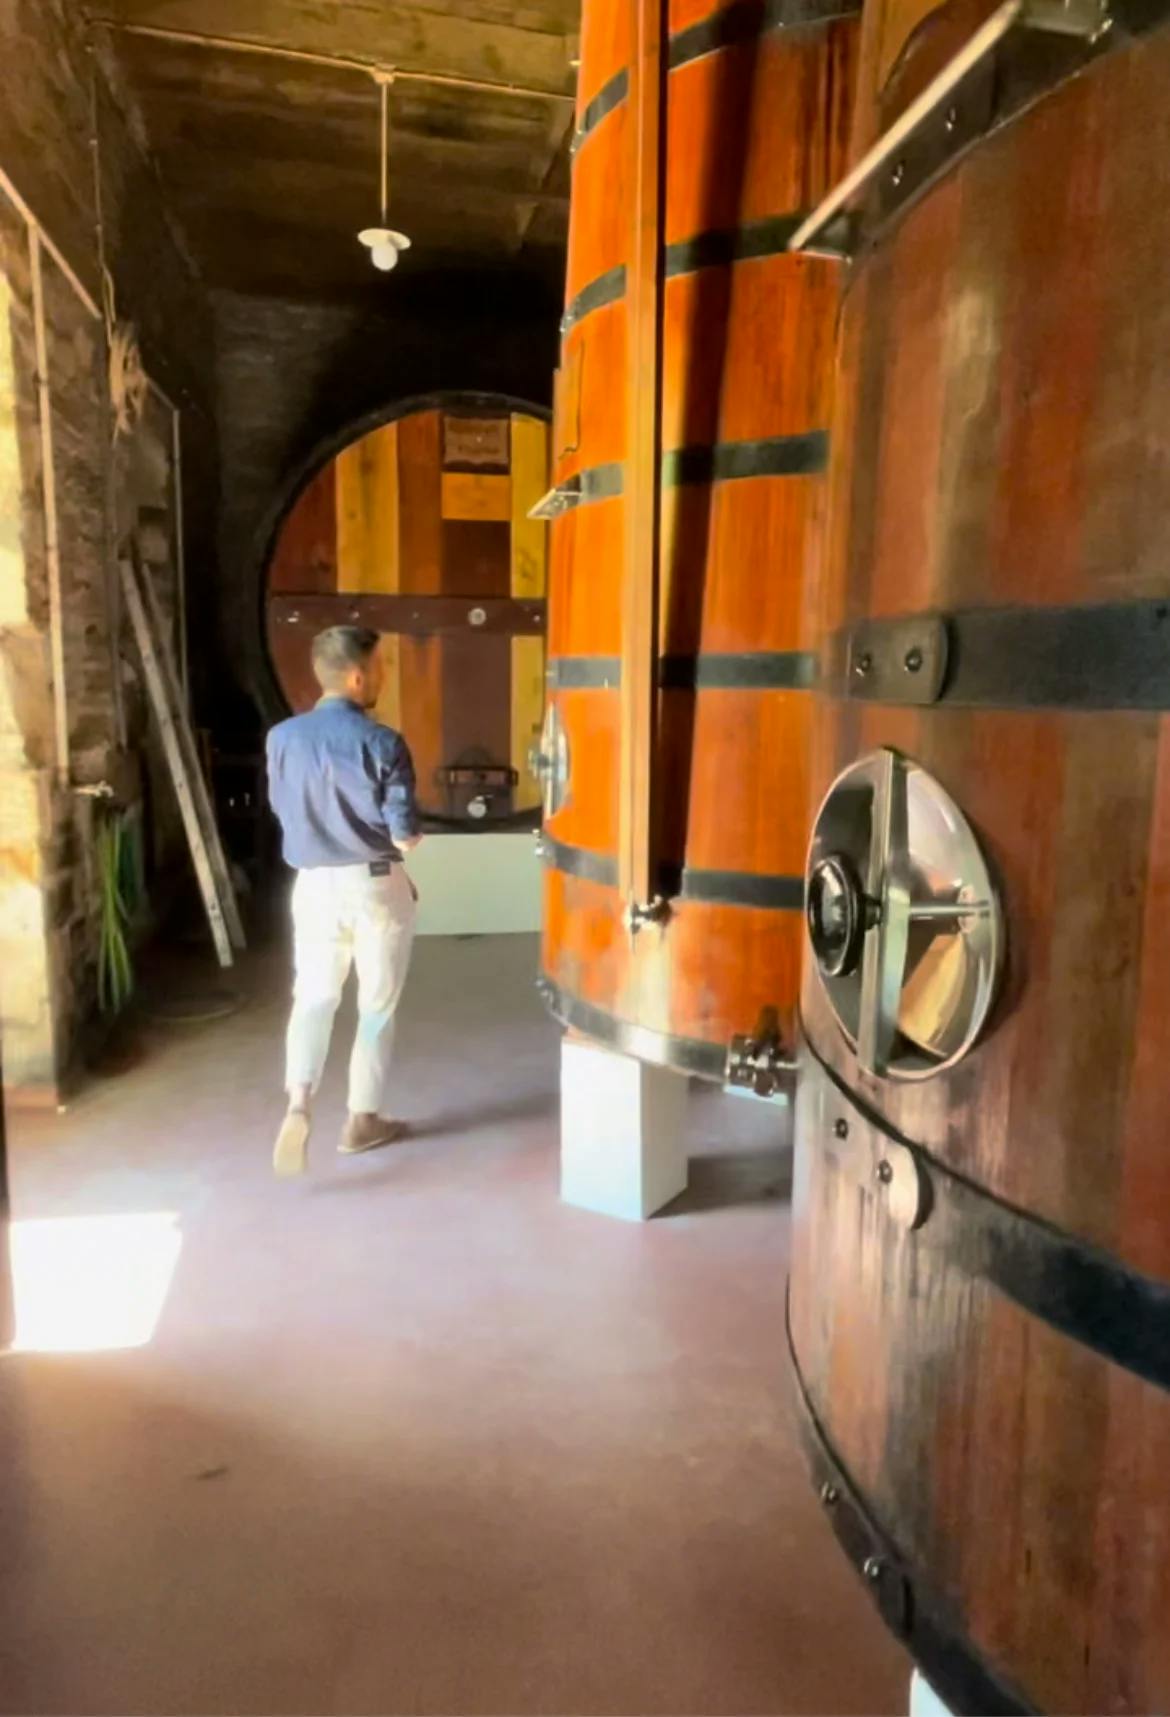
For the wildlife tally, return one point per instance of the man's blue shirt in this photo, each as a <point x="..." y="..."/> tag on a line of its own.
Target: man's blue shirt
<point x="342" y="786"/>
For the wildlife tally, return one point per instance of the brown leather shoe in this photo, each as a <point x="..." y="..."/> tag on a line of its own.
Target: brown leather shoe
<point x="370" y="1133"/>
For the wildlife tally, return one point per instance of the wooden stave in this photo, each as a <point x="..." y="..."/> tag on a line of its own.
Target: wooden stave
<point x="1012" y="1466"/>
<point x="1011" y="1469"/>
<point x="642" y="983"/>
<point x="1118" y="759"/>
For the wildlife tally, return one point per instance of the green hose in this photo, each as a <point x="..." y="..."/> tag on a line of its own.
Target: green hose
<point x="115" y="974"/>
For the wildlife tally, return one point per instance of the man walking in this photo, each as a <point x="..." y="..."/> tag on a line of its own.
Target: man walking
<point x="343" y="788"/>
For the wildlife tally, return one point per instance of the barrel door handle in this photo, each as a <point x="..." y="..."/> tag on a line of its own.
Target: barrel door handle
<point x="548" y="761"/>
<point x="883" y="963"/>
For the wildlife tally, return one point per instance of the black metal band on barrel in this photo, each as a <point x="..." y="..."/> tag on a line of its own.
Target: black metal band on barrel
<point x="421" y="616"/>
<point x="1102" y="656"/>
<point x="750" y="670"/>
<point x="739" y="23"/>
<point x="804" y="455"/>
<point x="662" y="1049"/>
<point x="607" y="288"/>
<point x="581" y="862"/>
<point x="718" y="248"/>
<point x="583" y="673"/>
<point x="912" y="1611"/>
<point x="1077" y="1288"/>
<point x="726" y="461"/>
<point x="732" y="888"/>
<point x="722" y="246"/>
<point x="775" y="893"/>
<point x="749" y="19"/>
<point x="611" y="94"/>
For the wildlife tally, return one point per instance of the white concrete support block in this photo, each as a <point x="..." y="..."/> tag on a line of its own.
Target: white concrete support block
<point x="623" y="1132"/>
<point x="924" y="1701"/>
<point x="485" y="884"/>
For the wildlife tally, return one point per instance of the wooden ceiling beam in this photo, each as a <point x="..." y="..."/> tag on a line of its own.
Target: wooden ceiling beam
<point x="557" y="142"/>
<point x="410" y="41"/>
<point x="184" y="122"/>
<point x="231" y="183"/>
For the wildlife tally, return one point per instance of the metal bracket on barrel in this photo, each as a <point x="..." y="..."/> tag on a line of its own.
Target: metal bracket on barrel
<point x="1084" y="20"/>
<point x="640" y="914"/>
<point x="883" y="962"/>
<point x="558" y="500"/>
<point x="902" y="661"/>
<point x="902" y="1182"/>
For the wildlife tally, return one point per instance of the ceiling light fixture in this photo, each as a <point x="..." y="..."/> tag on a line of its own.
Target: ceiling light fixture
<point x="382" y="242"/>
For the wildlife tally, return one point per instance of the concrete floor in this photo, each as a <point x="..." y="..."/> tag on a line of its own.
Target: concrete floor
<point x="411" y="1436"/>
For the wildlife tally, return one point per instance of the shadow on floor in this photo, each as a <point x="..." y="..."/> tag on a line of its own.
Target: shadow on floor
<point x="450" y="1122"/>
<point x="728" y="1180"/>
<point x="453" y="1125"/>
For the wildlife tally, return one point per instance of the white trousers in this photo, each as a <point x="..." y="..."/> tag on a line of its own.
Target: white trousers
<point x="343" y="916"/>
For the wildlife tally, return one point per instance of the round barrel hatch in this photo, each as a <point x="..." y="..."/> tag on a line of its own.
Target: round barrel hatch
<point x="903" y="917"/>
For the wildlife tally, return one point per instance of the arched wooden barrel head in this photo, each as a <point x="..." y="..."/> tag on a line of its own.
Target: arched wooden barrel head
<point x="758" y="98"/>
<point x="419" y="528"/>
<point x="980" y="1295"/>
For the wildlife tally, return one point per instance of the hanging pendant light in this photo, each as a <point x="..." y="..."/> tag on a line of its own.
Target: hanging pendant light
<point x="382" y="242"/>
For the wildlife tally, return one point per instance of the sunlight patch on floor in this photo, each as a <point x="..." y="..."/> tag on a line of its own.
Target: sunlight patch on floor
<point x="92" y="1284"/>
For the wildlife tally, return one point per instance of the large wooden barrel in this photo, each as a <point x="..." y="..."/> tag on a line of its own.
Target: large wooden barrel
<point x="980" y="1294"/>
<point x="419" y="527"/>
<point x="756" y="97"/>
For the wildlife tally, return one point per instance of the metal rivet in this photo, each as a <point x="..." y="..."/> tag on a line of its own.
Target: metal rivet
<point x="913" y="660"/>
<point x="476" y="616"/>
<point x="885" y="1173"/>
<point x="952" y="118"/>
<point x="863" y="663"/>
<point x="841" y="1128"/>
<point x="899" y="173"/>
<point x="829" y="1494"/>
<point x="872" y="1567"/>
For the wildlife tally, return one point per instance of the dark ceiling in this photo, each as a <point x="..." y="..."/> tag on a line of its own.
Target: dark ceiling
<point x="271" y="163"/>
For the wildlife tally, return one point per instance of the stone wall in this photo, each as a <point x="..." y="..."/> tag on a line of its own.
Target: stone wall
<point x="292" y="377"/>
<point x="279" y="379"/>
<point x="48" y="887"/>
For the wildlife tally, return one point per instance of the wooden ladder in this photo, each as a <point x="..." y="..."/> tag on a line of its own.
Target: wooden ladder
<point x="202" y="831"/>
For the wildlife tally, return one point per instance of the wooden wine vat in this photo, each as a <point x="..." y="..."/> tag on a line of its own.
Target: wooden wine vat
<point x="732" y="412"/>
<point x="420" y="529"/>
<point x="980" y="1295"/>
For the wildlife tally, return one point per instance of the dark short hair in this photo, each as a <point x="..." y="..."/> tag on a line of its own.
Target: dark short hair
<point x="341" y="648"/>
